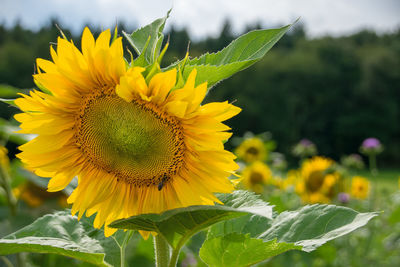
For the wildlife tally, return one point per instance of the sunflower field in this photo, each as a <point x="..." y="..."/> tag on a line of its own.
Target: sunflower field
<point x="127" y="148"/>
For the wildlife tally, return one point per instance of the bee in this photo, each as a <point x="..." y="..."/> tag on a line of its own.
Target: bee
<point x="163" y="180"/>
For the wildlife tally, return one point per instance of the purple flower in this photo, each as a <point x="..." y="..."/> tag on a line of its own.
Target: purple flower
<point x="371" y="143"/>
<point x="344" y="198"/>
<point x="306" y="142"/>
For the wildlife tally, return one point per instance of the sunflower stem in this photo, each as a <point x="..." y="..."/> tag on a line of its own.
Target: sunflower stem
<point x="123" y="247"/>
<point x="174" y="258"/>
<point x="161" y="251"/>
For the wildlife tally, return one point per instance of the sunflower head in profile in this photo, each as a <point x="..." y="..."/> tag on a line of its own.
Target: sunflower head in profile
<point x="137" y="143"/>
<point x="359" y="187"/>
<point x="255" y="176"/>
<point x="251" y="150"/>
<point x="317" y="181"/>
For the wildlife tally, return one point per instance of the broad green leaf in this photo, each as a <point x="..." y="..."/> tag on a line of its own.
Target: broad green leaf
<point x="240" y="250"/>
<point x="147" y="41"/>
<point x="238" y="55"/>
<point x="178" y="225"/>
<point x="309" y="227"/>
<point x="62" y="234"/>
<point x="313" y="226"/>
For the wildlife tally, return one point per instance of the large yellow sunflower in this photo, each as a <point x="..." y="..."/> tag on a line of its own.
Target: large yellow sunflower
<point x="136" y="146"/>
<point x="317" y="183"/>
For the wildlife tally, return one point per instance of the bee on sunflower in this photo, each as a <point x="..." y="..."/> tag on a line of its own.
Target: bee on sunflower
<point x="317" y="180"/>
<point x="138" y="143"/>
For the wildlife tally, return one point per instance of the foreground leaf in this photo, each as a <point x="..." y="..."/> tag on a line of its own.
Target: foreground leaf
<point x="178" y="225"/>
<point x="313" y="226"/>
<point x="62" y="234"/>
<point x="308" y="227"/>
<point x="240" y="250"/>
<point x="238" y="55"/>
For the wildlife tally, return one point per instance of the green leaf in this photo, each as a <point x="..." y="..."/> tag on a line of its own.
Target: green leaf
<point x="305" y="229"/>
<point x="148" y="40"/>
<point x="313" y="226"/>
<point x="62" y="234"/>
<point x="240" y="250"/>
<point x="238" y="55"/>
<point x="309" y="227"/>
<point x="178" y="225"/>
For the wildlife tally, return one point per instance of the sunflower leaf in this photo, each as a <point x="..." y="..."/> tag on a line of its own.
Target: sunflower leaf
<point x="240" y="250"/>
<point x="62" y="234"/>
<point x="178" y="225"/>
<point x="238" y="55"/>
<point x="306" y="228"/>
<point x="314" y="225"/>
<point x="147" y="40"/>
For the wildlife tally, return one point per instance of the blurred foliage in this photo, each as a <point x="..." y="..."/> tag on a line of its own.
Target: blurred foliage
<point x="333" y="91"/>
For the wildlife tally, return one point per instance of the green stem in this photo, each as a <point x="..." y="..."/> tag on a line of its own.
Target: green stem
<point x="372" y="164"/>
<point x="161" y="251"/>
<point x="174" y="258"/>
<point x="123" y="247"/>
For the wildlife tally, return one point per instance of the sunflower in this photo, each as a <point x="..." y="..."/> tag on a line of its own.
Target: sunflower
<point x="317" y="182"/>
<point x="252" y="149"/>
<point x="35" y="196"/>
<point x="137" y="144"/>
<point x="256" y="176"/>
<point x="359" y="187"/>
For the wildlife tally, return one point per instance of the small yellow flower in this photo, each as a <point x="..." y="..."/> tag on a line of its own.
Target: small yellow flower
<point x="35" y="196"/>
<point x="256" y="176"/>
<point x="360" y="187"/>
<point x="316" y="183"/>
<point x="252" y="149"/>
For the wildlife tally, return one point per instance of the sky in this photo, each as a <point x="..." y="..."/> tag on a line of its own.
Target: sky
<point x="205" y="17"/>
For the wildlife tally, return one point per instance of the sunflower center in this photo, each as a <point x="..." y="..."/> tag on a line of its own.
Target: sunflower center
<point x="253" y="151"/>
<point x="256" y="178"/>
<point x="315" y="181"/>
<point x="135" y="141"/>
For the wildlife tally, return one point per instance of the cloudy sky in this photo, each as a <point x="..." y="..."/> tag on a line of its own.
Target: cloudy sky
<point x="205" y="17"/>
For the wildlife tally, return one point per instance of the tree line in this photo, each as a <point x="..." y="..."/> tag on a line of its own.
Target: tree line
<point x="333" y="91"/>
